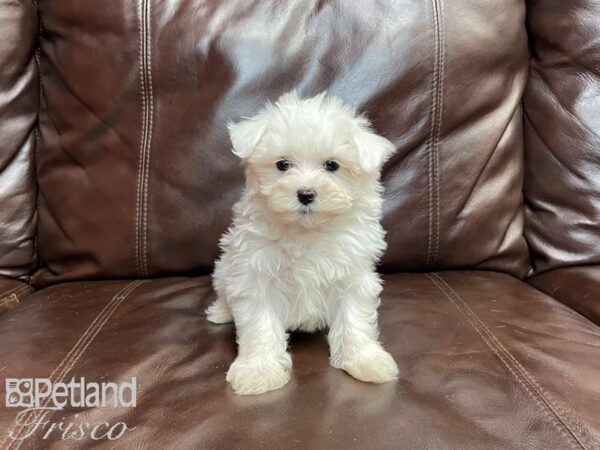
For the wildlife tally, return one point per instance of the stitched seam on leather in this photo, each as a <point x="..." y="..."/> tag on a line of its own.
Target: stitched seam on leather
<point x="23" y="289"/>
<point x="555" y="404"/>
<point x="13" y="295"/>
<point x="147" y="17"/>
<point x="73" y="356"/>
<point x="442" y="51"/>
<point x="506" y="358"/>
<point x="141" y="151"/>
<point x="12" y="290"/>
<point x="434" y="134"/>
<point x="8" y="302"/>
<point x="150" y="132"/>
<point x="11" y="298"/>
<point x="147" y="94"/>
<point x="37" y="134"/>
<point x="429" y="146"/>
<point x="141" y="163"/>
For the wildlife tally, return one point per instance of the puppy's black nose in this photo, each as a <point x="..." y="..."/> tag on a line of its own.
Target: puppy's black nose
<point x="306" y="196"/>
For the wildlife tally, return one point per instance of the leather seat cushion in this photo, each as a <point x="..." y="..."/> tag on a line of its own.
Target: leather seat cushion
<point x="485" y="362"/>
<point x="577" y="287"/>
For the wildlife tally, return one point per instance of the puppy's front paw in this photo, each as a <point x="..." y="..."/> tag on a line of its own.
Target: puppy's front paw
<point x="373" y="365"/>
<point x="255" y="376"/>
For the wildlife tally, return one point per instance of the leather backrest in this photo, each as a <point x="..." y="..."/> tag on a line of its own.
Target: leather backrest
<point x="19" y="93"/>
<point x="562" y="123"/>
<point x="135" y="169"/>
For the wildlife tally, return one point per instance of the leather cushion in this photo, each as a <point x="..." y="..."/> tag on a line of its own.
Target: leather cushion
<point x="485" y="362"/>
<point x="135" y="169"/>
<point x="19" y="93"/>
<point x="577" y="287"/>
<point x="562" y="123"/>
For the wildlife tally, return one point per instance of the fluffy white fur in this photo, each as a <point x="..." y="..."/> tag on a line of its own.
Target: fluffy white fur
<point x="288" y="266"/>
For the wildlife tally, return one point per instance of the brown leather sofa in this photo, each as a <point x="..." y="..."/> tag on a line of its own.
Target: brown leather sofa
<point x="116" y="180"/>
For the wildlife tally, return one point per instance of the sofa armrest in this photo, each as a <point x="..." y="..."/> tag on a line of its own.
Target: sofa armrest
<point x="577" y="287"/>
<point x="11" y="293"/>
<point x="19" y="99"/>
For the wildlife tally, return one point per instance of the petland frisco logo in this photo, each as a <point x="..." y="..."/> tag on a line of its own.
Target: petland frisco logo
<point x="41" y="392"/>
<point x="40" y="396"/>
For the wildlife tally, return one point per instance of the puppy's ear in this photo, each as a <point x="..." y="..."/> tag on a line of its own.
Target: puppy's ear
<point x="373" y="149"/>
<point x="246" y="135"/>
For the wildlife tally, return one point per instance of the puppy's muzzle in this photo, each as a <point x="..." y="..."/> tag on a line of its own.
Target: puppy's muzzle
<point x="306" y="196"/>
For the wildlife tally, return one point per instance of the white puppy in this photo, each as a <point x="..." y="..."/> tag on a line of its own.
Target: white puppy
<point x="305" y="239"/>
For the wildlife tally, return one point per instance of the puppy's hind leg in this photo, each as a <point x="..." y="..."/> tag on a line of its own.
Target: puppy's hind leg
<point x="219" y="311"/>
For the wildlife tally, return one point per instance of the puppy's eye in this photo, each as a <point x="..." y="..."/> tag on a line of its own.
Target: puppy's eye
<point x="283" y="164"/>
<point x="331" y="165"/>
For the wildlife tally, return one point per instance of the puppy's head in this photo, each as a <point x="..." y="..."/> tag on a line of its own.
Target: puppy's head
<point x="309" y="160"/>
